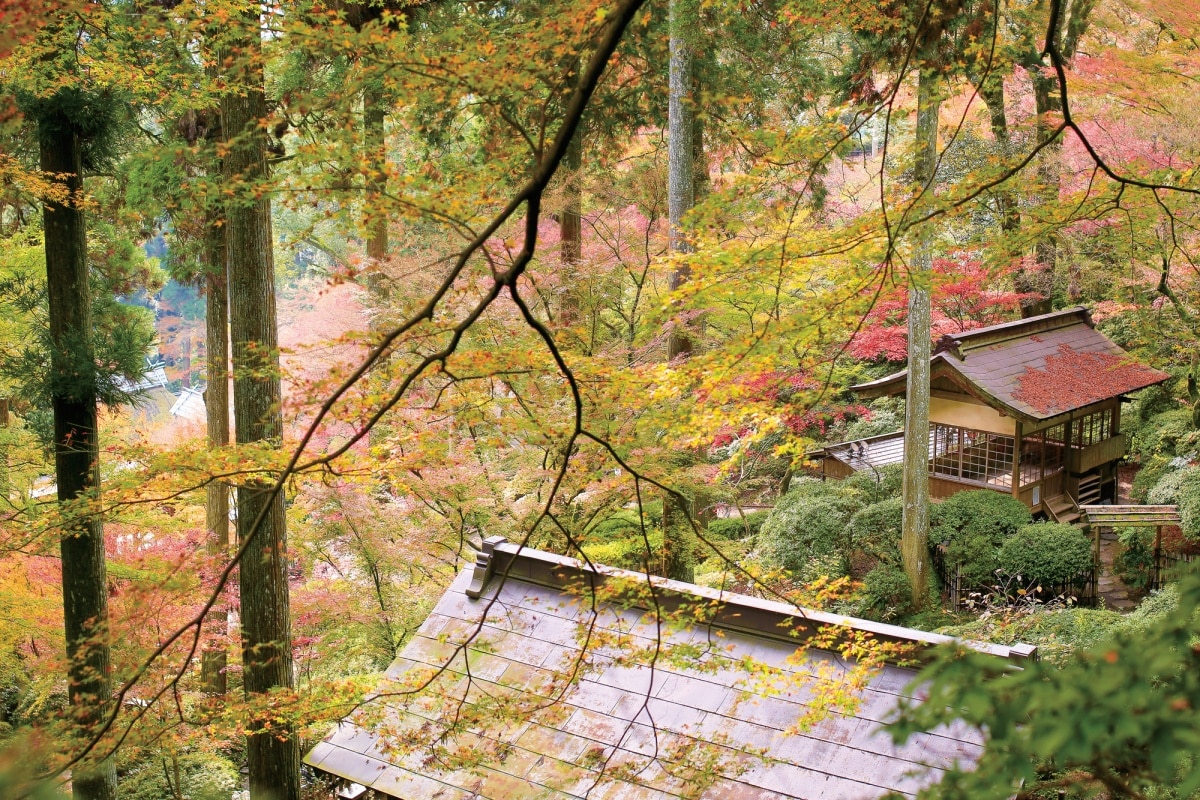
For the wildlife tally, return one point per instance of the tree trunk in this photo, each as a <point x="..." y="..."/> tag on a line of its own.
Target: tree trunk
<point x="678" y="539"/>
<point x="1072" y="24"/>
<point x="216" y="405"/>
<point x="681" y="164"/>
<point x="374" y="108"/>
<point x="914" y="543"/>
<point x="272" y="753"/>
<point x="570" y="230"/>
<point x="991" y="89"/>
<point x="76" y="449"/>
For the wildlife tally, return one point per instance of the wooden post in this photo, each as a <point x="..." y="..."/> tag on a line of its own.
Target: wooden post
<point x="1156" y="574"/>
<point x="1016" y="473"/>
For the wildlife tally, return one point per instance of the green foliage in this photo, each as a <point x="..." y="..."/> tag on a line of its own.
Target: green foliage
<point x="1189" y="505"/>
<point x="1173" y="485"/>
<point x="1047" y="552"/>
<point x="1123" y="706"/>
<point x="196" y="776"/>
<point x="1058" y="632"/>
<point x="812" y="521"/>
<point x="1168" y="433"/>
<point x="737" y="527"/>
<point x="629" y="552"/>
<point x="974" y="525"/>
<point x="887" y="592"/>
<point x="876" y="530"/>
<point x="1154" y="468"/>
<point x="1135" y="561"/>
<point x="876" y="485"/>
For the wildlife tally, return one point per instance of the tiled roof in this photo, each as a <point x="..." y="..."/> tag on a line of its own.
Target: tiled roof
<point x="1033" y="369"/>
<point x="542" y="688"/>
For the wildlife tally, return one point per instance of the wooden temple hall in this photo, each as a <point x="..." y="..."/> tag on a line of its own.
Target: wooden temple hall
<point x="1031" y="408"/>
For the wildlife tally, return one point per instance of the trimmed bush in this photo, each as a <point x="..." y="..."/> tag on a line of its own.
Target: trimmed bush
<point x="737" y="527"/>
<point x="811" y="521"/>
<point x="888" y="592"/>
<point x="1134" y="564"/>
<point x="875" y="487"/>
<point x="876" y="530"/>
<point x="974" y="525"/>
<point x="1048" y="552"/>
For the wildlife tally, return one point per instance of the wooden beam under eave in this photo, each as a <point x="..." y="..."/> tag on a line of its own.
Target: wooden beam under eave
<point x="1016" y="473"/>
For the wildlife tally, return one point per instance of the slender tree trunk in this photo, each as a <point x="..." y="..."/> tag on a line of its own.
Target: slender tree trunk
<point x="216" y="405"/>
<point x="374" y="108"/>
<point x="570" y="231"/>
<point x="272" y="753"/>
<point x="678" y="539"/>
<point x="76" y="450"/>
<point x="991" y="89"/>
<point x="914" y="544"/>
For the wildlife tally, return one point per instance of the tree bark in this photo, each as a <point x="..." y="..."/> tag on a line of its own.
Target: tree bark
<point x="216" y="405"/>
<point x="76" y="448"/>
<point x="681" y="164"/>
<point x="678" y="539"/>
<point x="991" y="89"/>
<point x="570" y="230"/>
<point x="374" y="111"/>
<point x="272" y="753"/>
<point x="914" y="543"/>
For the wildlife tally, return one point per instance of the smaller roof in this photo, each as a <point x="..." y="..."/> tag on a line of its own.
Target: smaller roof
<point x="1032" y="369"/>
<point x="541" y="676"/>
<point x="874" y="451"/>
<point x="190" y="405"/>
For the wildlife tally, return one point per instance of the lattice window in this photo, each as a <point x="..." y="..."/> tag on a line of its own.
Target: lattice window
<point x="1093" y="428"/>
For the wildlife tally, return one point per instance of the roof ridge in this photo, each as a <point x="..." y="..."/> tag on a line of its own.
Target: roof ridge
<point x="738" y="612"/>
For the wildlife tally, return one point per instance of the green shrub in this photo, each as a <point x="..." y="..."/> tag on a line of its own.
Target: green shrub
<point x="974" y="525"/>
<point x="1169" y="433"/>
<point x="876" y="530"/>
<point x="202" y="776"/>
<point x="1048" y="552"/>
<point x="1134" y="564"/>
<point x="1154" y="468"/>
<point x="876" y="485"/>
<point x="1189" y="504"/>
<point x="810" y="521"/>
<point x="887" y="592"/>
<point x="627" y="553"/>
<point x="737" y="527"/>
<point x="1172" y="485"/>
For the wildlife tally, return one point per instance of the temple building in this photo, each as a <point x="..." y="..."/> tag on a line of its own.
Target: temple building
<point x="1031" y="408"/>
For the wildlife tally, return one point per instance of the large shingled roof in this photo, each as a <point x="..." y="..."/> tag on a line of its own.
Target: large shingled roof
<point x="535" y="683"/>
<point x="1033" y="369"/>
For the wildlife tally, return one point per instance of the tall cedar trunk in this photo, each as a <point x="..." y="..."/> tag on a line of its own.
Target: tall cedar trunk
<point x="272" y="753"/>
<point x="1039" y="279"/>
<point x="76" y="450"/>
<point x="216" y="405"/>
<point x="914" y="543"/>
<point x="570" y="230"/>
<point x="374" y="108"/>
<point x="678" y="540"/>
<point x="1072" y="24"/>
<point x="991" y="89"/>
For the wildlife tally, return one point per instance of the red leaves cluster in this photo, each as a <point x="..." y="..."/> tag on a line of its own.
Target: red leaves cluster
<point x="1072" y="379"/>
<point x="963" y="299"/>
